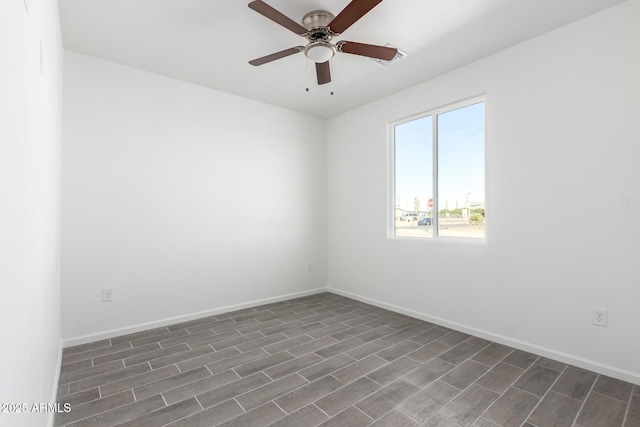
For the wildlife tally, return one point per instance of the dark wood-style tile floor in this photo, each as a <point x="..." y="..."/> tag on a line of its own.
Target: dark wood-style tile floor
<point x="330" y="361"/>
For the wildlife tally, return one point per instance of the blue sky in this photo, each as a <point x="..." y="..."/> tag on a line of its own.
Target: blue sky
<point x="460" y="158"/>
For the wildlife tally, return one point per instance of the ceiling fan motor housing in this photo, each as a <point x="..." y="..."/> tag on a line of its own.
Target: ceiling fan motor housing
<point x="316" y="22"/>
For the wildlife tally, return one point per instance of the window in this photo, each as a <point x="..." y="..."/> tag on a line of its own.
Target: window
<point x="438" y="167"/>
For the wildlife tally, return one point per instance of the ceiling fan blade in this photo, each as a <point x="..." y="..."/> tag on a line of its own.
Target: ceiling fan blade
<point x="277" y="17"/>
<point x="369" y="50"/>
<point x="323" y="71"/>
<point x="277" y="55"/>
<point x="350" y="14"/>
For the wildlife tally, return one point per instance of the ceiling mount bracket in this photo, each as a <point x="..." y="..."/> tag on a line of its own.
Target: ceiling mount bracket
<point x="317" y="19"/>
<point x="316" y="23"/>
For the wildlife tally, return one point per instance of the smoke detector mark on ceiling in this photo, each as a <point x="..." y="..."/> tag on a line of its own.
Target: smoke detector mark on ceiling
<point x="399" y="55"/>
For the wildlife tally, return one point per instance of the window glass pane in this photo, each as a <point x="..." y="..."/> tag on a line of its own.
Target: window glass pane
<point x="413" y="177"/>
<point x="461" y="199"/>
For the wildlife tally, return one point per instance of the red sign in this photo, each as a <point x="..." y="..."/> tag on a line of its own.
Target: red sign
<point x="430" y="203"/>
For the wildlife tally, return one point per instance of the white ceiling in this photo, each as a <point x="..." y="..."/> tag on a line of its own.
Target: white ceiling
<point x="209" y="42"/>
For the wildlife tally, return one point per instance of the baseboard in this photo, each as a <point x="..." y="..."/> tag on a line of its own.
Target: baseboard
<point x="54" y="392"/>
<point x="177" y="319"/>
<point x="632" y="377"/>
<point x="574" y="360"/>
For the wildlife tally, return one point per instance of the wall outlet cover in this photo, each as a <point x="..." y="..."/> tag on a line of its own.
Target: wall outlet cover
<point x="107" y="294"/>
<point x="600" y="317"/>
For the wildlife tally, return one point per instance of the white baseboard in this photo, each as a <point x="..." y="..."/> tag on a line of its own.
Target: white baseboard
<point x="68" y="342"/>
<point x="632" y="377"/>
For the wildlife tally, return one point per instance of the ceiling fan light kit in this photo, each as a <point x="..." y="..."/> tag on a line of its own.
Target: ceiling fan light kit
<point x="319" y="27"/>
<point x="319" y="52"/>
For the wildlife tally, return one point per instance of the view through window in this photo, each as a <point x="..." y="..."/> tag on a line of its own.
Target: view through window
<point x="439" y="167"/>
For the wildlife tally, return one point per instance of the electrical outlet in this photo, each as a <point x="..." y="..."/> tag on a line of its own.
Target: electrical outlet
<point x="600" y="317"/>
<point x="107" y="294"/>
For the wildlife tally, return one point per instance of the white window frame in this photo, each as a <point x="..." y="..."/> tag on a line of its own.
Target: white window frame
<point x="391" y="203"/>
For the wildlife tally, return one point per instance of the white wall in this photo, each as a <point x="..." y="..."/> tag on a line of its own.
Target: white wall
<point x="185" y="200"/>
<point x="30" y="123"/>
<point x="563" y="199"/>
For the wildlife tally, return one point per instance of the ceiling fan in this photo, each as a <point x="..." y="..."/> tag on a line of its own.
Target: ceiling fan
<point x="319" y="27"/>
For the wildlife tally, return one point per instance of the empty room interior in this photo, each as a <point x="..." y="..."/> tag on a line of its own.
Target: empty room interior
<point x="431" y="220"/>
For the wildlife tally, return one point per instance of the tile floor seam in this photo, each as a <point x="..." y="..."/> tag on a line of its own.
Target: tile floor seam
<point x="511" y="385"/>
<point x="179" y="419"/>
<point x="484" y="364"/>
<point x="492" y="391"/>
<point x="244" y="392"/>
<point x="361" y="411"/>
<point x="447" y="418"/>
<point x="97" y="375"/>
<point x="524" y="371"/>
<point x="515" y="366"/>
<point x="411" y="416"/>
<point x="584" y="401"/>
<point x="498" y="425"/>
<point x="550" y="389"/>
<point x="313" y="401"/>
<point x="611" y="397"/>
<point x="495" y="364"/>
<point x="357" y="401"/>
<point x="207" y="368"/>
<point x="96" y="413"/>
<point x="369" y="378"/>
<point x="586" y="395"/>
<point x="626" y="412"/>
<point x="463" y="390"/>
<point x="267" y="375"/>
<point x="320" y="409"/>
<point x="235" y="399"/>
<point x="396" y="407"/>
<point x="279" y="395"/>
<point x="317" y="363"/>
<point x="200" y="403"/>
<point x="282" y="409"/>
